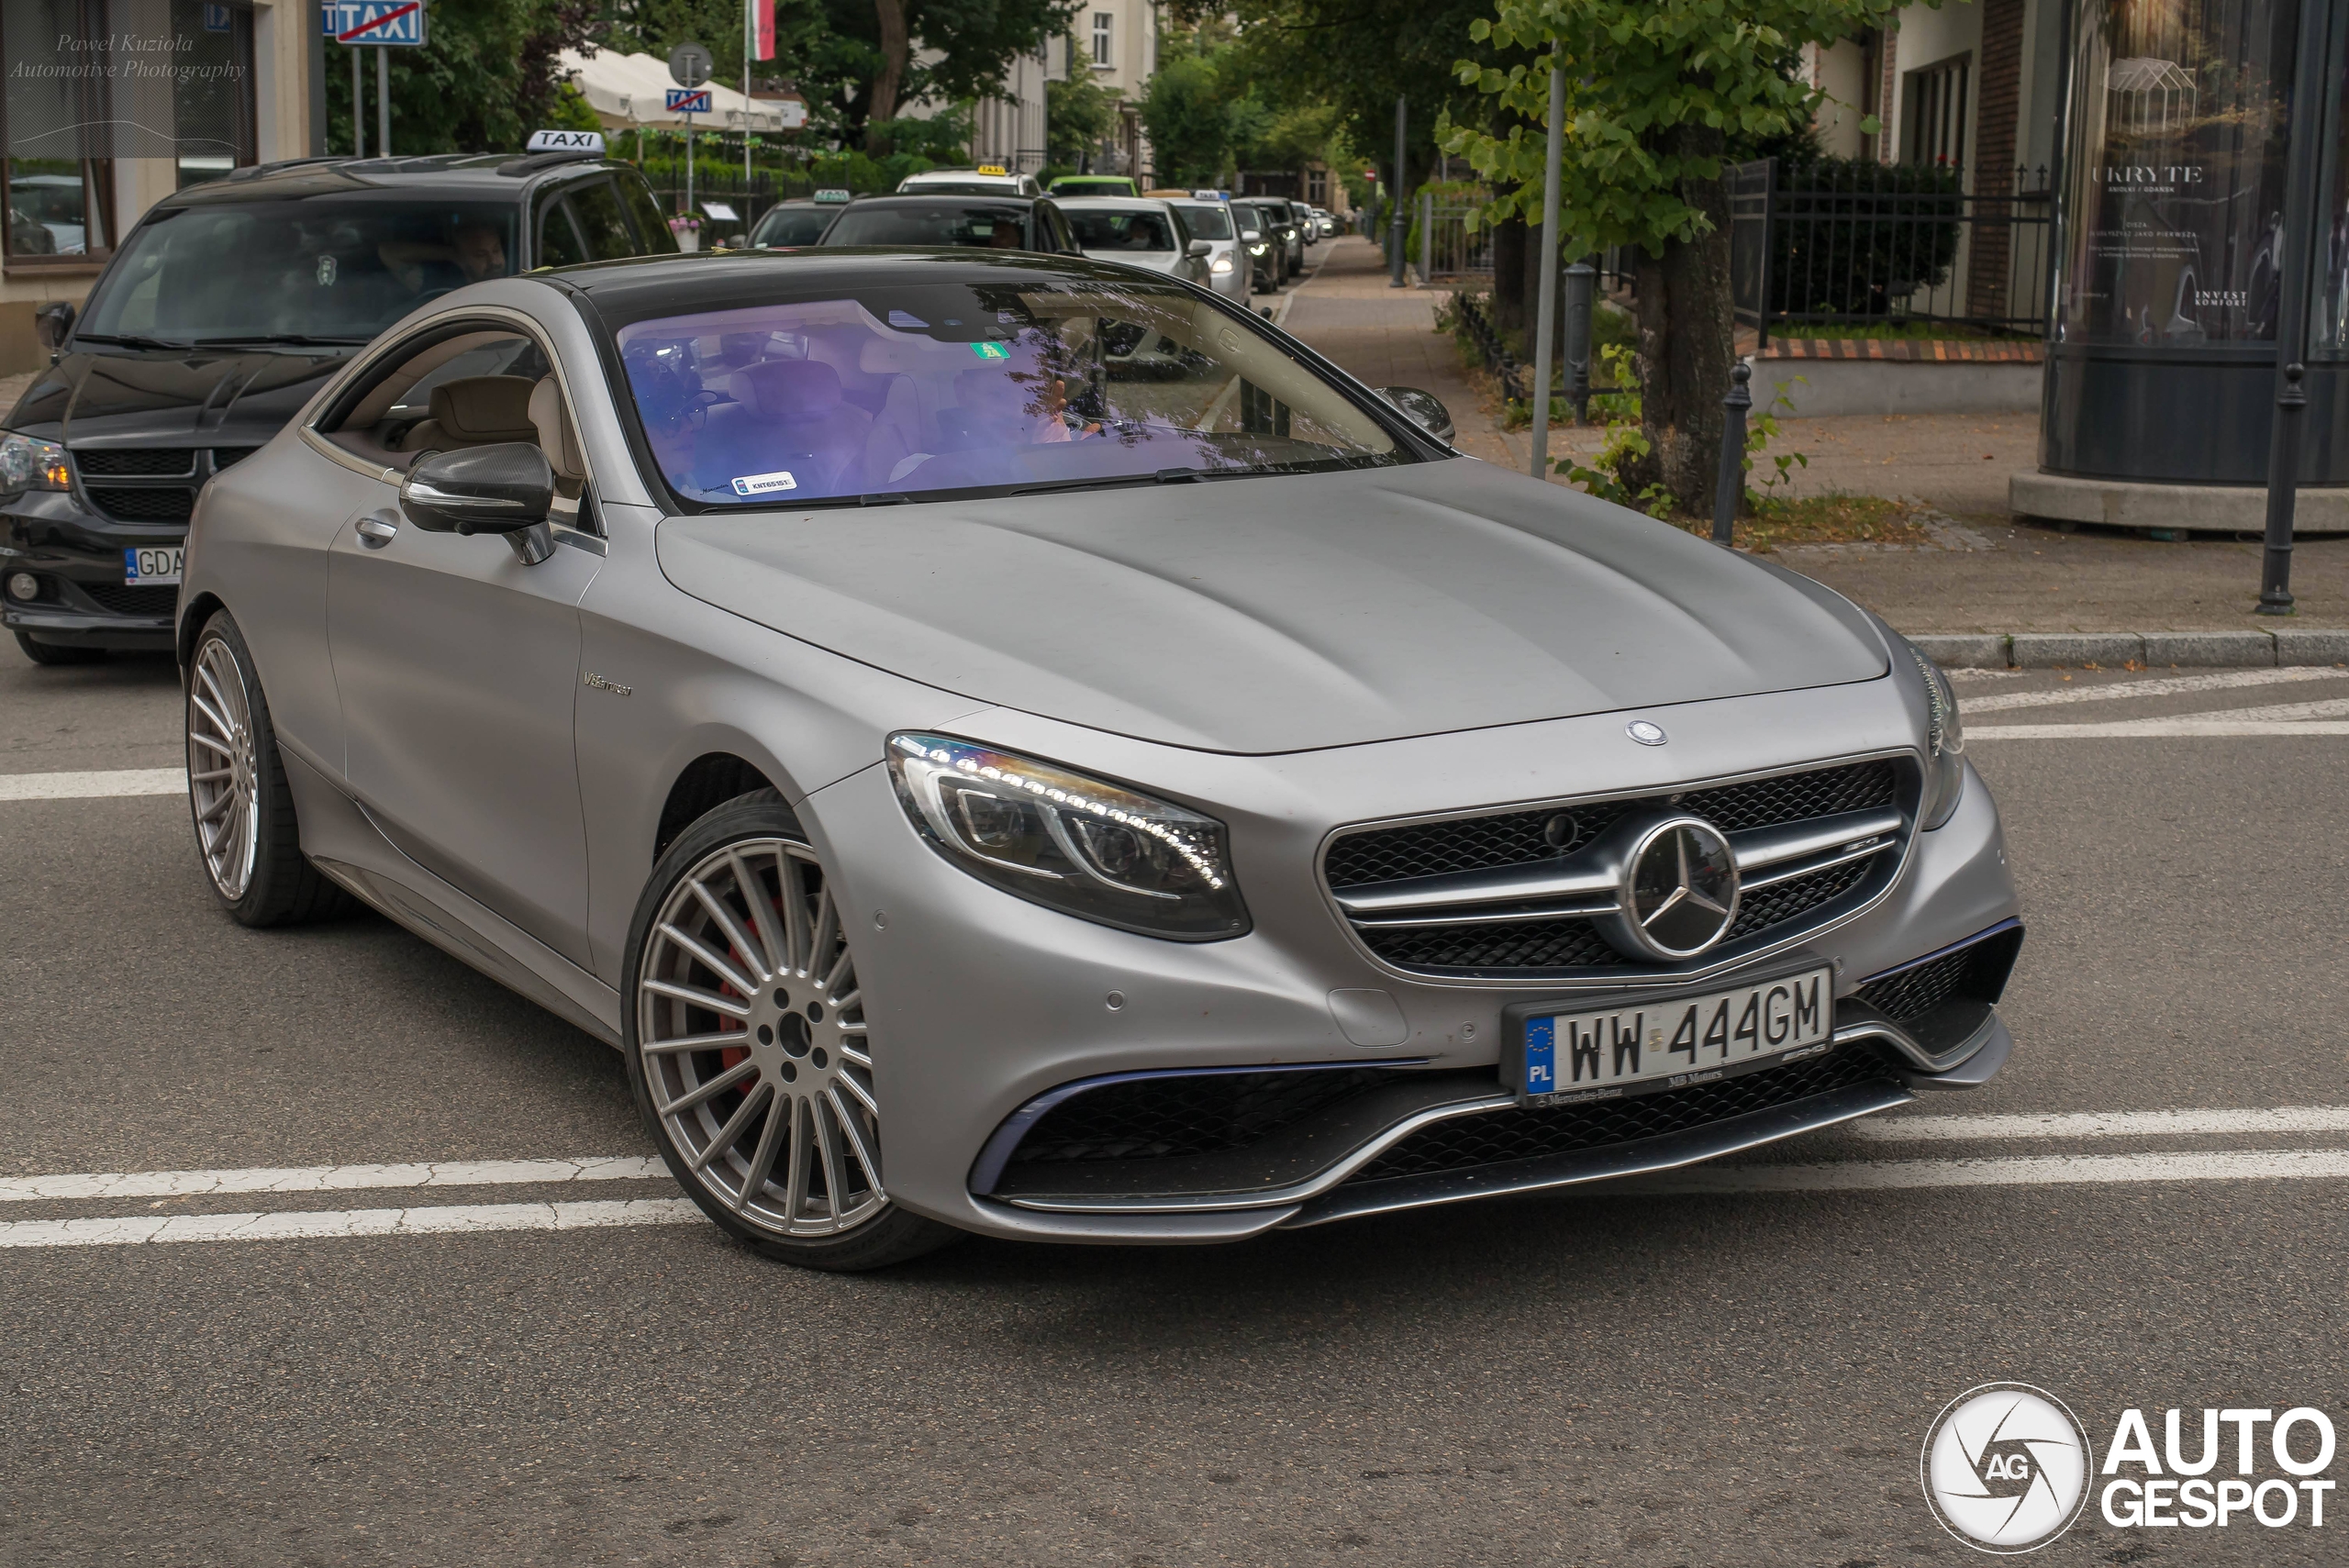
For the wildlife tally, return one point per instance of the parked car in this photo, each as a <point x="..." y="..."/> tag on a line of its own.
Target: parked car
<point x="1092" y="185"/>
<point x="789" y="225"/>
<point x="1229" y="267"/>
<point x="1262" y="243"/>
<point x="979" y="790"/>
<point x="987" y="180"/>
<point x="1146" y="234"/>
<point x="1285" y="224"/>
<point x="953" y="218"/>
<point x="218" y="318"/>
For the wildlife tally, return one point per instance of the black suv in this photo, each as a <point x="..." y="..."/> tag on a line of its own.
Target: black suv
<point x="955" y="217"/>
<point x="218" y="318"/>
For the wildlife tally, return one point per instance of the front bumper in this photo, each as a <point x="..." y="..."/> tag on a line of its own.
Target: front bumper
<point x="981" y="1003"/>
<point x="78" y="556"/>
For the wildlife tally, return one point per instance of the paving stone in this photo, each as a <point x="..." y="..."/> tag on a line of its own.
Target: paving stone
<point x="2310" y="645"/>
<point x="2234" y="650"/>
<point x="1965" y="651"/>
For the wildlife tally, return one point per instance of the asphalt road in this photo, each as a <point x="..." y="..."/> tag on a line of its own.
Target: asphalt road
<point x="1720" y="1378"/>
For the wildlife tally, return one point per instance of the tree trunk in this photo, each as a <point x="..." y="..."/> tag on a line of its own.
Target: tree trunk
<point x="1509" y="250"/>
<point x="881" y="103"/>
<point x="1687" y="339"/>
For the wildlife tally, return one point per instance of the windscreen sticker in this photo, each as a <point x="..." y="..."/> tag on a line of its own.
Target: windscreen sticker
<point x="991" y="351"/>
<point x="765" y="483"/>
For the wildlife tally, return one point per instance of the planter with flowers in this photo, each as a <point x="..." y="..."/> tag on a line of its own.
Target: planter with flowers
<point x="687" y="228"/>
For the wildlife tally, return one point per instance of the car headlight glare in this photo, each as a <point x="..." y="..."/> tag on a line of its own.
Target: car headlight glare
<point x="1221" y="264"/>
<point x="1945" y="742"/>
<point x="29" y="463"/>
<point x="1087" y="848"/>
<point x="1258" y="248"/>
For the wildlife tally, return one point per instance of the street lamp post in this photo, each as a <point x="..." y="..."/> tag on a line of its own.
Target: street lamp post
<point x="1396" y="229"/>
<point x="2292" y="320"/>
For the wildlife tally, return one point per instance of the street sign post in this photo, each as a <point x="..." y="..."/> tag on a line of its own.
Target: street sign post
<point x="689" y="66"/>
<point x="381" y="25"/>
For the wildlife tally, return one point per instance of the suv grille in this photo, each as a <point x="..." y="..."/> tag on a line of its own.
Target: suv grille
<point x="1495" y="1137"/>
<point x="154" y="602"/>
<point x="1152" y="1118"/>
<point x="162" y="503"/>
<point x="137" y="462"/>
<point x="1571" y="943"/>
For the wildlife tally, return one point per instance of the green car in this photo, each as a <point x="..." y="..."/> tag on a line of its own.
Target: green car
<point x="1092" y="185"/>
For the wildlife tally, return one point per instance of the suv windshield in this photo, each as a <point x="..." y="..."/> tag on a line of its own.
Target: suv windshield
<point x="949" y="222"/>
<point x="300" y="270"/>
<point x="1032" y="381"/>
<point x="787" y="225"/>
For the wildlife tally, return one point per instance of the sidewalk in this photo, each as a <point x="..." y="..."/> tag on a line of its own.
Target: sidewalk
<point x="1991" y="573"/>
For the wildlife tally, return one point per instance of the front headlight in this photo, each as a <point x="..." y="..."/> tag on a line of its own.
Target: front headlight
<point x="1258" y="248"/>
<point x="1089" y="848"/>
<point x="29" y="463"/>
<point x="1221" y="264"/>
<point x="1945" y="742"/>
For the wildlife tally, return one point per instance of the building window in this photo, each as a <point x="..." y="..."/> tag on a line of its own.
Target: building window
<point x="1934" y="113"/>
<point x="213" y="118"/>
<point x="61" y="197"/>
<point x="1104" y="48"/>
<point x="1316" y="187"/>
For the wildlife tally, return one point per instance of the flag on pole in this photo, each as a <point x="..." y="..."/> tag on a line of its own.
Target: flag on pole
<point x="763" y="13"/>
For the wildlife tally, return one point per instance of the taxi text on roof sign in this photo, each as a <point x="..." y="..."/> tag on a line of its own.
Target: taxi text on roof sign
<point x="589" y="141"/>
<point x="996" y="169"/>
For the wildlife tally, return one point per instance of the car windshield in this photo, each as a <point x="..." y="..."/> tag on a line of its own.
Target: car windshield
<point x="1208" y="222"/>
<point x="1035" y="381"/>
<point x="340" y="270"/>
<point x="1103" y="231"/>
<point x="981" y="224"/>
<point x="786" y="226"/>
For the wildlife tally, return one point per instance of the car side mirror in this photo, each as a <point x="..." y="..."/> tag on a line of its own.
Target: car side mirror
<point x="52" y="322"/>
<point x="507" y="488"/>
<point x="1200" y="249"/>
<point x="1424" y="410"/>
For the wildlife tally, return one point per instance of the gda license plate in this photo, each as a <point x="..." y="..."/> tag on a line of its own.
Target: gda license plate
<point x="1604" y="1052"/>
<point x="160" y="564"/>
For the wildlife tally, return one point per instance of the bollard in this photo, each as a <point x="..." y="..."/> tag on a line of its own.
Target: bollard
<point x="1728" y="489"/>
<point x="1582" y="279"/>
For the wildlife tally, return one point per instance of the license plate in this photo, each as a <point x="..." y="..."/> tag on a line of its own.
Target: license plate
<point x="158" y="565"/>
<point x="1603" y="1053"/>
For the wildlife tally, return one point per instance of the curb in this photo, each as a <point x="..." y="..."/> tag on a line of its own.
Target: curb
<point x="2071" y="650"/>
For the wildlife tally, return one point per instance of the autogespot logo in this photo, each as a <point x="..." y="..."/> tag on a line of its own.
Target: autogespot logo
<point x="2006" y="1467"/>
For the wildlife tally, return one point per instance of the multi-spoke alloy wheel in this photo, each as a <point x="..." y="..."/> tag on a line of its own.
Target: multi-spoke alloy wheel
<point x="751" y="1038"/>
<point x="221" y="768"/>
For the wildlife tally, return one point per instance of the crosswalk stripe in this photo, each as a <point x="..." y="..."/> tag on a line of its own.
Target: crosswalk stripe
<point x="329" y="1178"/>
<point x="454" y="1219"/>
<point x="2099" y="1123"/>
<point x="2178" y="685"/>
<point x="2055" y="1170"/>
<point x="2157" y="729"/>
<point x="100" y="785"/>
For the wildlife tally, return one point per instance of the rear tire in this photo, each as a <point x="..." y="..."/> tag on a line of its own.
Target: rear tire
<point x="42" y="652"/>
<point x="744" y="1039"/>
<point x="246" y="834"/>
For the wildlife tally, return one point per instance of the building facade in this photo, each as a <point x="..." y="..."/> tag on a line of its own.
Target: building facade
<point x="1116" y="42"/>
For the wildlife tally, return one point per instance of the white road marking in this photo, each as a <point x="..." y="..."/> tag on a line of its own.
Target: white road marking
<point x="112" y="781"/>
<point x="2168" y="686"/>
<point x="2100" y="1124"/>
<point x="454" y="1219"/>
<point x="2156" y="729"/>
<point x="2057" y="1170"/>
<point x="329" y="1178"/>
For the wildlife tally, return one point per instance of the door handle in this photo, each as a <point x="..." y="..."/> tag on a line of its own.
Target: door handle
<point x="375" y="531"/>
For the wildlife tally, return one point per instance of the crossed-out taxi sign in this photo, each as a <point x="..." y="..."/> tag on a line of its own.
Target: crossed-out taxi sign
<point x="396" y="23"/>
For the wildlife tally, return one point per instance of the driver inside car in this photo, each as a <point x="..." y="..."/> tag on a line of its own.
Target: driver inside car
<point x="475" y="253"/>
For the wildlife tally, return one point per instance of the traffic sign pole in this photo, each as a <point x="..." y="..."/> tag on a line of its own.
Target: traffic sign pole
<point x="382" y="101"/>
<point x="358" y="109"/>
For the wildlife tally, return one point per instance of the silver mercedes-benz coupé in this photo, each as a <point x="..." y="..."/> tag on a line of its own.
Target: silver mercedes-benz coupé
<point x="1014" y="744"/>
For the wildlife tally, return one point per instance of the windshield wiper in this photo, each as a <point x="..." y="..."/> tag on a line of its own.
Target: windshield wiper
<point x="1164" y="476"/>
<point x="303" y="337"/>
<point x="128" y="340"/>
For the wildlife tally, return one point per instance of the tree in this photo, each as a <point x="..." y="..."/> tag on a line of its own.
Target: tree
<point x="1659" y="93"/>
<point x="870" y="62"/>
<point x="1079" y="116"/>
<point x="483" y="82"/>
<point x="1186" y="110"/>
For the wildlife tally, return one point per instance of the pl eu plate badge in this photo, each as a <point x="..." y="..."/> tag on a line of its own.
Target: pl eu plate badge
<point x="1541" y="1057"/>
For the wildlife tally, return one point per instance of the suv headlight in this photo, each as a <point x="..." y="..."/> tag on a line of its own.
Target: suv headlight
<point x="1221" y="264"/>
<point x="29" y="463"/>
<point x="1945" y="742"/>
<point x="1087" y="848"/>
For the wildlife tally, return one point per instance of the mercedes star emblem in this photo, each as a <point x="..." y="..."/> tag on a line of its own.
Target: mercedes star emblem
<point x="1679" y="890"/>
<point x="1645" y="733"/>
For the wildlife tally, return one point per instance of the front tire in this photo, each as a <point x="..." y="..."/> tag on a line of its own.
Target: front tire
<point x="246" y="833"/>
<point x="747" y="1049"/>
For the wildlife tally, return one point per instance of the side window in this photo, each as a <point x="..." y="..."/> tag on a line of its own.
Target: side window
<point x="461" y="388"/>
<point x="652" y="235"/>
<point x="597" y="210"/>
<point x="1057" y="236"/>
<point x="559" y="243"/>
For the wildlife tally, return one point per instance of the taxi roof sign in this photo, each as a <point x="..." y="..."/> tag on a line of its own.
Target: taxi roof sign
<point x="997" y="170"/>
<point x="588" y="143"/>
<point x="830" y="195"/>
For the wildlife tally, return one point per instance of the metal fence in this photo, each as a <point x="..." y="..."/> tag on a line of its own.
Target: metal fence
<point x="1857" y="243"/>
<point x="1447" y="247"/>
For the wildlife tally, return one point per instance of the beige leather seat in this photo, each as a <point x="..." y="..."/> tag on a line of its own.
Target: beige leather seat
<point x="552" y="422"/>
<point x="476" y="411"/>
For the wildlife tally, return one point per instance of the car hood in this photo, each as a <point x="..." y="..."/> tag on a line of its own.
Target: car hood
<point x="1280" y="614"/>
<point x="173" y="397"/>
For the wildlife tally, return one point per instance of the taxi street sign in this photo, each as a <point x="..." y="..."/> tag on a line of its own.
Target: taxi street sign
<point x="397" y="23"/>
<point x="687" y="100"/>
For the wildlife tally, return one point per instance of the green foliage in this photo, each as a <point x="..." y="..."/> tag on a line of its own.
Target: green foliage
<point x="1625" y="445"/>
<point x="965" y="47"/>
<point x="1079" y="116"/>
<point x="1640" y="76"/>
<point x="569" y="110"/>
<point x="485" y="81"/>
<point x="1216" y="106"/>
<point x="1831" y="260"/>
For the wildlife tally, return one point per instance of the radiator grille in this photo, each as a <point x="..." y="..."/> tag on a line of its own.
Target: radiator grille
<point x="151" y="602"/>
<point x="137" y="462"/>
<point x="158" y="504"/>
